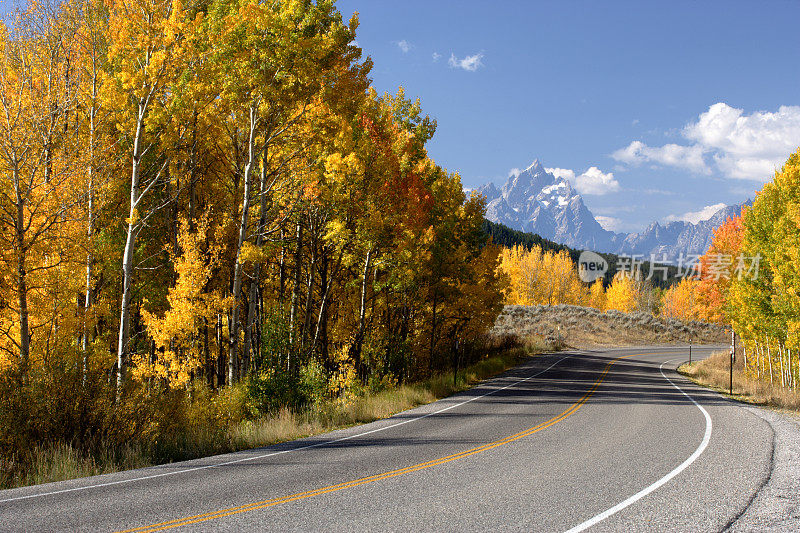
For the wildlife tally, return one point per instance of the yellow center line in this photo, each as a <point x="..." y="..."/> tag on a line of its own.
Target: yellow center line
<point x="385" y="475"/>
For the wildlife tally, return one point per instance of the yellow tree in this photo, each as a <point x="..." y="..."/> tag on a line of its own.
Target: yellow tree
<point x="717" y="266"/>
<point x="561" y="282"/>
<point x="763" y="302"/>
<point x="541" y="278"/>
<point x="622" y="294"/>
<point x="179" y="351"/>
<point x="36" y="162"/>
<point x="597" y="295"/>
<point x="144" y="59"/>
<point x="680" y="300"/>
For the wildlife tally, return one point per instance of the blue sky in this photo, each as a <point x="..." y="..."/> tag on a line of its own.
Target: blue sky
<point x="655" y="110"/>
<point x="626" y="87"/>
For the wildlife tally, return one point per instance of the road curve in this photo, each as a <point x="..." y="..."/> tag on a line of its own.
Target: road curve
<point x="606" y="440"/>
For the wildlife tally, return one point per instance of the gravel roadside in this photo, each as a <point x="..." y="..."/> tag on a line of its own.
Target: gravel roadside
<point x="776" y="507"/>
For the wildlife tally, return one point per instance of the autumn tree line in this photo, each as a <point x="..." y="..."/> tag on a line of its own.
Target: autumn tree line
<point x="210" y="191"/>
<point x="751" y="281"/>
<point x="538" y="276"/>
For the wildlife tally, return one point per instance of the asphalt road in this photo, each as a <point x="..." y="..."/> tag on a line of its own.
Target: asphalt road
<point x="611" y="440"/>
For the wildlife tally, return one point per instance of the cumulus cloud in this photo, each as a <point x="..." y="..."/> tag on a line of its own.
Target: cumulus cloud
<point x="565" y="173"/>
<point x="738" y="145"/>
<point x="696" y="216"/>
<point x="514" y="172"/>
<point x="593" y="181"/>
<point x="747" y="146"/>
<point x="609" y="223"/>
<point x="436" y="56"/>
<point x="674" y="155"/>
<point x="468" y="63"/>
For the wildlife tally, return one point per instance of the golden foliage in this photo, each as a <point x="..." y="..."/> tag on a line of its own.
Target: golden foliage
<point x="622" y="295"/>
<point x="541" y="278"/>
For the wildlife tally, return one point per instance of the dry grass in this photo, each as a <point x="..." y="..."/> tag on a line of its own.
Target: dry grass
<point x="62" y="461"/>
<point x="714" y="373"/>
<point x="584" y="327"/>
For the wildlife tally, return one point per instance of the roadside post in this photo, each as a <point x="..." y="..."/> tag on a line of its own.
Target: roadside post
<point x="690" y="351"/>
<point x="733" y="356"/>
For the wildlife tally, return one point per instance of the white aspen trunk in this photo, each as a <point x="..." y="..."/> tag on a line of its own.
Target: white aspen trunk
<point x="89" y="227"/>
<point x="298" y="256"/>
<point x="783" y="371"/>
<point x="127" y="258"/>
<point x="233" y="326"/>
<point x="21" y="281"/>
<point x="744" y="353"/>
<point x="134" y="225"/>
<point x="327" y="280"/>
<point x="309" y="291"/>
<point x="757" y="349"/>
<point x="255" y="282"/>
<point x="362" y="312"/>
<point x="769" y="362"/>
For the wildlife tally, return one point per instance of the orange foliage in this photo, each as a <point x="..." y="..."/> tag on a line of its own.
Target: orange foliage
<point x="716" y="268"/>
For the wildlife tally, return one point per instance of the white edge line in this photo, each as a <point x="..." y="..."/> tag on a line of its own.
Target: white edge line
<point x="271" y="454"/>
<point x="655" y="486"/>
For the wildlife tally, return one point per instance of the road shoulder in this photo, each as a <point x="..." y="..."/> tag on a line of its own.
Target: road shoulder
<point x="776" y="506"/>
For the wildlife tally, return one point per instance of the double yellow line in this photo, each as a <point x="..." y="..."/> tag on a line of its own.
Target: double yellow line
<point x="385" y="475"/>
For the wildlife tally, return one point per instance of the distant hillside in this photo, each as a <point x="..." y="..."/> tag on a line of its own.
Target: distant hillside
<point x="585" y="327"/>
<point x="505" y="236"/>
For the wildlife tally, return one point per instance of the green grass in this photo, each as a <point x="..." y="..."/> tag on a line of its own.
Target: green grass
<point x="61" y="461"/>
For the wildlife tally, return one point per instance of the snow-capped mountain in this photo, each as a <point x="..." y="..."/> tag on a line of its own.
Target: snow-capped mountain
<point x="676" y="238"/>
<point x="537" y="201"/>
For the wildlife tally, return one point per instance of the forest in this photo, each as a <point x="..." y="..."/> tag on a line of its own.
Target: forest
<point x="208" y="196"/>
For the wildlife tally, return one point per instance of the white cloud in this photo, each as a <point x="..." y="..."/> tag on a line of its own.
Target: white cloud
<point x="609" y="223"/>
<point x="436" y="56"/>
<point x="740" y="146"/>
<point x="593" y="181"/>
<point x="747" y="146"/>
<point x="404" y="46"/>
<point x="469" y="63"/>
<point x="634" y="122"/>
<point x="565" y="173"/>
<point x="674" y="155"/>
<point x="696" y="216"/>
<point x="514" y="172"/>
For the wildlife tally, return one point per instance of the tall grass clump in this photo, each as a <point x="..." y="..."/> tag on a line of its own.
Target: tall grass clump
<point x="714" y="372"/>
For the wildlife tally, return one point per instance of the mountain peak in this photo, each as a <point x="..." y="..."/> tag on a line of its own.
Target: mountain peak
<point x="536" y="200"/>
<point x="536" y="167"/>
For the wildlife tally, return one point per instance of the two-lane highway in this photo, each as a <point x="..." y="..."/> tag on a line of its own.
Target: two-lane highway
<point x="607" y="440"/>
